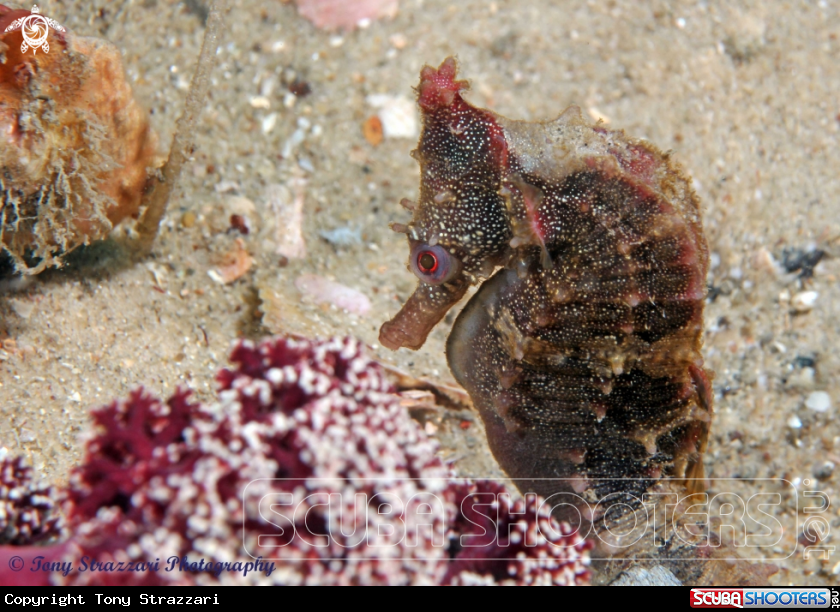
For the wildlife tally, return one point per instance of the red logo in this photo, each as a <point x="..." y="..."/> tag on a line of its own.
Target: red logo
<point x="717" y="598"/>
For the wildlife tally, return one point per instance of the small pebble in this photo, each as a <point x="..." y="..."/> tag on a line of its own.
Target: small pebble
<point x="288" y="212"/>
<point x="346" y="14"/>
<point x="398" y="40"/>
<point x="268" y="123"/>
<point x="226" y="186"/>
<point x="300" y="88"/>
<point x="823" y="470"/>
<point x="597" y="115"/>
<point x="324" y="291"/>
<point x="818" y="401"/>
<point x="804" y="301"/>
<point x="794" y="422"/>
<point x="297" y="137"/>
<point x="23" y="308"/>
<point x="803" y="261"/>
<point x="235" y="264"/>
<point x="803" y="378"/>
<point x="762" y="259"/>
<point x="342" y="236"/>
<point x="239" y="205"/>
<point x="372" y="130"/>
<point x="260" y="102"/>
<point x="398" y="115"/>
<point x="640" y="576"/>
<point x="241" y="224"/>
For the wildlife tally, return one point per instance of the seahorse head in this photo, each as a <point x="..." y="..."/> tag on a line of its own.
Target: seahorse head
<point x="460" y="229"/>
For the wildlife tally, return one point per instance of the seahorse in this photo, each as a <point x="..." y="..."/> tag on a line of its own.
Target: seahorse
<point x="581" y="348"/>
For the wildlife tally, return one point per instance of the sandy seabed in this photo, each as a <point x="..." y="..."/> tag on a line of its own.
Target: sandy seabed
<point x="746" y="95"/>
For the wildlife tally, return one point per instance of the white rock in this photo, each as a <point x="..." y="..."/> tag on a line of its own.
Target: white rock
<point x="325" y="291"/>
<point x="297" y="137"/>
<point x="226" y="186"/>
<point x="818" y="401"/>
<point x="239" y="205"/>
<point x="260" y="102"/>
<point x="397" y="113"/>
<point x="268" y="123"/>
<point x="23" y="308"/>
<point x="398" y="40"/>
<point x="639" y="576"/>
<point x="794" y="422"/>
<point x="804" y="301"/>
<point x="286" y="202"/>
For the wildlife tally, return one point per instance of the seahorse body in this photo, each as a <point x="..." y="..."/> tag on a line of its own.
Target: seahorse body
<point x="581" y="347"/>
<point x="582" y="352"/>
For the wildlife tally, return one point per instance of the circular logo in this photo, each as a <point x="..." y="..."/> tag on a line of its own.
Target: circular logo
<point x="35" y="29"/>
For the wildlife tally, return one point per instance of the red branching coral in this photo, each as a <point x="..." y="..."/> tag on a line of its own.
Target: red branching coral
<point x="510" y="541"/>
<point x="307" y="464"/>
<point x="140" y="440"/>
<point x="26" y="508"/>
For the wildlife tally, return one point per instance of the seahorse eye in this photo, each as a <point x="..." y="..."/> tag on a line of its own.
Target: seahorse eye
<point x="427" y="262"/>
<point x="433" y="264"/>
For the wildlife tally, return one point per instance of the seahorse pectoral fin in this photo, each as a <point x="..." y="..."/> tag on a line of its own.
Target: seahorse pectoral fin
<point x="421" y="312"/>
<point x="527" y="224"/>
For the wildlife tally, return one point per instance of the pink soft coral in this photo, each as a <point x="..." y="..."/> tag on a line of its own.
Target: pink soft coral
<point x="26" y="508"/>
<point x="312" y="426"/>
